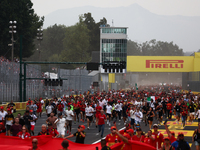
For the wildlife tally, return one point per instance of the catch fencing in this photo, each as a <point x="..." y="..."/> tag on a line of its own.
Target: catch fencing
<point x="77" y="82"/>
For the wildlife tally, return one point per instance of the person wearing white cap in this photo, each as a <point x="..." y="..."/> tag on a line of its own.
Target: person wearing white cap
<point x="159" y="138"/>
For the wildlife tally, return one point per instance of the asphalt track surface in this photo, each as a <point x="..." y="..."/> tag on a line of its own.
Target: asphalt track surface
<point x="91" y="136"/>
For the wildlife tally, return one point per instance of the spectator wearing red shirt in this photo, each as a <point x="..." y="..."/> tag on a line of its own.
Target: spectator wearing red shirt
<point x="159" y="138"/>
<point x="112" y="138"/>
<point x="171" y="134"/>
<point x="169" y="108"/>
<point x="24" y="133"/>
<point x="149" y="138"/>
<point x="53" y="132"/>
<point x="138" y="137"/>
<point x="101" y="118"/>
<point x="126" y="140"/>
<point x="2" y="127"/>
<point x="60" y="106"/>
<point x="39" y="109"/>
<point x="98" y="109"/>
<point x="82" y="106"/>
<point x="76" y="111"/>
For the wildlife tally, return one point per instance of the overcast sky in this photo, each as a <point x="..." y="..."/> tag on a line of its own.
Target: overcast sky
<point x="161" y="7"/>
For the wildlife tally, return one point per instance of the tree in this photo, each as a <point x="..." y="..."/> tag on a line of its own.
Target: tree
<point x="27" y="24"/>
<point x="76" y="43"/>
<point x="94" y="31"/>
<point x="133" y="48"/>
<point x="160" y="48"/>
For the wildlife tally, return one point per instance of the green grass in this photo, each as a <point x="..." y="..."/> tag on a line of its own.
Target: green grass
<point x="19" y="111"/>
<point x="22" y="112"/>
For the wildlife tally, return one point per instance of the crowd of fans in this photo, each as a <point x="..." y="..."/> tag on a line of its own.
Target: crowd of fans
<point x="131" y="107"/>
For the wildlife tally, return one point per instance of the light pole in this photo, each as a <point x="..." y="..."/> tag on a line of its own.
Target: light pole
<point x="39" y="38"/>
<point x="12" y="31"/>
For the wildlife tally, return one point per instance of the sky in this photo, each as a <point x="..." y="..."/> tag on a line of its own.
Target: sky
<point x="160" y="7"/>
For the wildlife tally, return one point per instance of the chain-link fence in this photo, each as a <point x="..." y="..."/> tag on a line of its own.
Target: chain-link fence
<point x="9" y="81"/>
<point x="77" y="82"/>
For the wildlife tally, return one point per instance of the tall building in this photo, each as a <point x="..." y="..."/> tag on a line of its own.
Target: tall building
<point x="113" y="44"/>
<point x="113" y="49"/>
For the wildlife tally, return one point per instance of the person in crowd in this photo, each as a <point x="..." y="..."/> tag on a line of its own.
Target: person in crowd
<point x="53" y="103"/>
<point x="167" y="144"/>
<point x="24" y="133"/>
<point x="125" y="139"/>
<point x="108" y="113"/>
<point x="159" y="138"/>
<point x="69" y="116"/>
<point x="89" y="115"/>
<point x="150" y="115"/>
<point x="34" y="145"/>
<point x="16" y="127"/>
<point x="138" y="116"/>
<point x="33" y="121"/>
<point x="101" y="118"/>
<point x="34" y="108"/>
<point x="39" y="109"/>
<point x="12" y="106"/>
<point x="138" y="136"/>
<point x="61" y="124"/>
<point x="82" y="108"/>
<point x="3" y="113"/>
<point x="60" y="107"/>
<point x="103" y="145"/>
<point x="80" y="135"/>
<point x="184" y="116"/>
<point x="178" y="110"/>
<point x="144" y="111"/>
<point x="181" y="143"/>
<point x="112" y="138"/>
<point x="27" y="121"/>
<point x="65" y="145"/>
<point x="171" y="134"/>
<point x="127" y="127"/>
<point x="131" y="133"/>
<point x="2" y="127"/>
<point x="53" y="132"/>
<point x="21" y="119"/>
<point x="132" y="115"/>
<point x="52" y="120"/>
<point x="76" y="111"/>
<point x="198" y="114"/>
<point x="169" y="109"/>
<point x="149" y="139"/>
<point x="44" y="130"/>
<point x="124" y="112"/>
<point x="196" y="137"/>
<point x="98" y="111"/>
<point x="160" y="114"/>
<point x="49" y="109"/>
<point x="192" y="111"/>
<point x="9" y="118"/>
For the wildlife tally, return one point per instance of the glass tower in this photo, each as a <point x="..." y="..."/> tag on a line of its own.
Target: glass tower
<point x="113" y="44"/>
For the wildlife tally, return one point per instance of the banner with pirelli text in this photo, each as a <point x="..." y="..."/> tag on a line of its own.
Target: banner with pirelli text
<point x="160" y="63"/>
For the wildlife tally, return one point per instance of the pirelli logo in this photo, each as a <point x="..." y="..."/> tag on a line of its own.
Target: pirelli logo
<point x="164" y="63"/>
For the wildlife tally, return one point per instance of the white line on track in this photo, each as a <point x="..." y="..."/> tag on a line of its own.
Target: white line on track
<point x="105" y="137"/>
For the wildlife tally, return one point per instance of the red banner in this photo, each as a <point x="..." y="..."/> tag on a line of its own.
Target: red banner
<point x="46" y="142"/>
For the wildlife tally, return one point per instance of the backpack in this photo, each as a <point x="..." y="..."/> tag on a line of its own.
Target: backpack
<point x="182" y="145"/>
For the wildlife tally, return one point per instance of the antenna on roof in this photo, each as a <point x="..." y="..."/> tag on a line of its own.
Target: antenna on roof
<point x="112" y="23"/>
